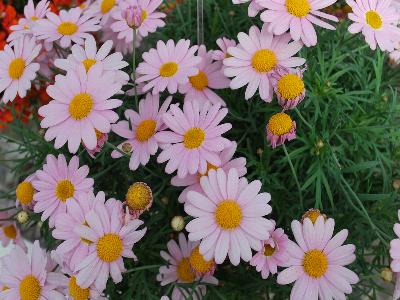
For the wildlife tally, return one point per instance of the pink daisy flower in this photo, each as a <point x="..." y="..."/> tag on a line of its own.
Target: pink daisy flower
<point x="179" y="270"/>
<point x="297" y="16"/>
<point x="103" y="9"/>
<point x="192" y="182"/>
<point x="168" y="66"/>
<point x="102" y="138"/>
<point x="17" y="68"/>
<point x="317" y="261"/>
<point x="280" y="128"/>
<point x="377" y="20"/>
<point x="140" y="130"/>
<point x="69" y="26"/>
<point x="24" y="193"/>
<point x="137" y="15"/>
<point x="253" y="9"/>
<point x="228" y="216"/>
<point x="195" y="137"/>
<point x="80" y="106"/>
<point x="395" y="247"/>
<point x="256" y="58"/>
<point x="223" y="43"/>
<point x="9" y="232"/>
<point x="90" y="56"/>
<point x="209" y="77"/>
<point x="26" y="276"/>
<point x="58" y="183"/>
<point x="110" y="240"/>
<point x="274" y="254"/>
<point x="396" y="293"/>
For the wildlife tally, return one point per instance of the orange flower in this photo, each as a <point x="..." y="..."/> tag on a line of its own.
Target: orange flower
<point x="21" y="108"/>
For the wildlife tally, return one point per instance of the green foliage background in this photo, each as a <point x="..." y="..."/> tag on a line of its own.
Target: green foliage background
<point x="351" y="106"/>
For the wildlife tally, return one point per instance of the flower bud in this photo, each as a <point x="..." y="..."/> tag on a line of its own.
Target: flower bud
<point x="177" y="223"/>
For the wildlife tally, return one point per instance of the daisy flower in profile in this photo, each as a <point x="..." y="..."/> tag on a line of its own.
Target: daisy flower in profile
<point x="195" y="137"/>
<point x="180" y="270"/>
<point x="223" y="43"/>
<point x="210" y="76"/>
<point x="167" y="66"/>
<point x="110" y="240"/>
<point x="138" y="199"/>
<point x="26" y="276"/>
<point x="81" y="105"/>
<point x="253" y="9"/>
<point x="317" y="261"/>
<point x="280" y="128"/>
<point x="228" y="216"/>
<point x="255" y="59"/>
<point x="297" y="16"/>
<point x="377" y="20"/>
<point x="24" y="193"/>
<point x="140" y="129"/>
<point x="192" y="182"/>
<point x="9" y="232"/>
<point x="69" y="26"/>
<point x="101" y="138"/>
<point x="103" y="9"/>
<point x="17" y="68"/>
<point x="274" y="254"/>
<point x="57" y="183"/>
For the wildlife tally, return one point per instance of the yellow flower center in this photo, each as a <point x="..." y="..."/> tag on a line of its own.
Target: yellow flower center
<point x="88" y="63"/>
<point x="169" y="69"/>
<point x="290" y="86"/>
<point x="228" y="214"/>
<point x="64" y="190"/>
<point x="98" y="134"/>
<point x="209" y="167"/>
<point x="29" y="288"/>
<point x="298" y="8"/>
<point x="34" y="18"/>
<point x="185" y="273"/>
<point x="268" y="250"/>
<point x="145" y="130"/>
<point x="193" y="138"/>
<point x="10" y="231"/>
<point x="373" y="19"/>
<point x="86" y="241"/>
<point x="24" y="192"/>
<point x="67" y="28"/>
<point x="106" y="6"/>
<point x="16" y="68"/>
<point x="199" y="81"/>
<point x="312" y="214"/>
<point x="139" y="196"/>
<point x="81" y="106"/>
<point x="198" y="263"/>
<point x="315" y="263"/>
<point x="264" y="60"/>
<point x="109" y="247"/>
<point x="144" y="15"/>
<point x="280" y="124"/>
<point x="76" y="292"/>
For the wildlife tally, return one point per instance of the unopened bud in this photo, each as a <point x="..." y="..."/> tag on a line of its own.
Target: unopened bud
<point x="126" y="147"/>
<point x="22" y="217"/>
<point x="177" y="223"/>
<point x="387" y="274"/>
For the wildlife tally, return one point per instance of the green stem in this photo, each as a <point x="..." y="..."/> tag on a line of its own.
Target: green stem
<point x="294" y="175"/>
<point x="134" y="68"/>
<point x="142" y="268"/>
<point x="303" y="119"/>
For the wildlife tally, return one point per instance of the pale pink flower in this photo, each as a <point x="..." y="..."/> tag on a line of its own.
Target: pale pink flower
<point x="395" y="254"/>
<point x="274" y="253"/>
<point x="140" y="129"/>
<point x="103" y="9"/>
<point x="81" y="105"/>
<point x="195" y="137"/>
<point x="228" y="216"/>
<point x="253" y="9"/>
<point x="317" y="261"/>
<point x="280" y="128"/>
<point x="396" y="293"/>
<point x="255" y="59"/>
<point x="69" y="26"/>
<point x="192" y="182"/>
<point x="297" y="16"/>
<point x="58" y="183"/>
<point x="9" y="232"/>
<point x="46" y="60"/>
<point x="179" y="270"/>
<point x="377" y="20"/>
<point x="24" y="193"/>
<point x="17" y="68"/>
<point x="102" y="138"/>
<point x="167" y="66"/>
<point x="223" y="43"/>
<point x="209" y="77"/>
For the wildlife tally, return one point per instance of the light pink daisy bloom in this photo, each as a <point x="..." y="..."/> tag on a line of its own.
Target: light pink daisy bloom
<point x="24" y="193"/>
<point x="9" y="232"/>
<point x="192" y="182"/>
<point x="58" y="183"/>
<point x="209" y="77"/>
<point x="377" y="20"/>
<point x="223" y="43"/>
<point x="110" y="240"/>
<point x="103" y="9"/>
<point x="69" y="26"/>
<point x="179" y="270"/>
<point x="297" y="16"/>
<point x="90" y="56"/>
<point x="394" y="56"/>
<point x="26" y="276"/>
<point x="168" y="66"/>
<point x="102" y="138"/>
<point x="195" y="137"/>
<point x="81" y="106"/>
<point x="280" y="128"/>
<point x="274" y="254"/>
<point x="396" y="293"/>
<point x="46" y="60"/>
<point x="317" y="261"/>
<point x="140" y="130"/>
<point x="255" y="59"/>
<point x="253" y="9"/>
<point x="137" y="15"/>
<point x="228" y="216"/>
<point x="17" y="68"/>
<point x="395" y="247"/>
